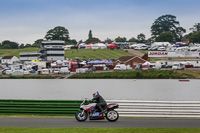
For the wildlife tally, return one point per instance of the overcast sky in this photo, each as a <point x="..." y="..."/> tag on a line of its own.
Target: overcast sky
<point x="25" y="21"/>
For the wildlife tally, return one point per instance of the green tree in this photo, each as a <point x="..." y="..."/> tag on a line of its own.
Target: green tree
<point x="81" y="41"/>
<point x="196" y="27"/>
<point x="27" y="45"/>
<point x="92" y="39"/>
<point x="132" y="39"/>
<point x="108" y="40"/>
<point x="165" y="37"/>
<point x="195" y="37"/>
<point x="37" y="43"/>
<point x="167" y="23"/>
<point x="6" y="46"/>
<point x="141" y="38"/>
<point x="21" y="46"/>
<point x="120" y="39"/>
<point x="71" y="42"/>
<point x="9" y="45"/>
<point x="58" y="33"/>
<point x="90" y="34"/>
<point x="149" y="40"/>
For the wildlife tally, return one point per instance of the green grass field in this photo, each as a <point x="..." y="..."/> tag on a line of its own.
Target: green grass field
<point x="72" y="54"/>
<point x="95" y="54"/>
<point x="97" y="130"/>
<point x="15" y="52"/>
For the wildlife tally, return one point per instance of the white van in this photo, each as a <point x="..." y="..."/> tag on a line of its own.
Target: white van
<point x="178" y="66"/>
<point x="45" y="71"/>
<point x="64" y="70"/>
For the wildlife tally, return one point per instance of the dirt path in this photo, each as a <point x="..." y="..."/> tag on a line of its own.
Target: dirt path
<point x="135" y="52"/>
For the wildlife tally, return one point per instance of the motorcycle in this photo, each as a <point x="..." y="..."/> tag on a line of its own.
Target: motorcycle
<point x="89" y="109"/>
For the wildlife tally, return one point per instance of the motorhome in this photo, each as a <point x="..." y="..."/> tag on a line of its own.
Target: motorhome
<point x="182" y="49"/>
<point x="161" y="44"/>
<point x="120" y="67"/>
<point x="178" y="66"/>
<point x="194" y="48"/>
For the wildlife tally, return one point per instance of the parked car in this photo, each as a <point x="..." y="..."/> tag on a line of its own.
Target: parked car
<point x="4" y="70"/>
<point x="91" y="68"/>
<point x="133" y="46"/>
<point x="56" y="71"/>
<point x="153" y="48"/>
<point x="161" y="49"/>
<point x="138" y="48"/>
<point x="112" y="46"/>
<point x="8" y="72"/>
<point x="18" y="73"/>
<point x="144" y="47"/>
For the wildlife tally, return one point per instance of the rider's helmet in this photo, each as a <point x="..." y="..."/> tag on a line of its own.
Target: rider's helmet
<point x="96" y="93"/>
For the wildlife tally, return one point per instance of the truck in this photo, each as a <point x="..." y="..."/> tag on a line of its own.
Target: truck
<point x="73" y="66"/>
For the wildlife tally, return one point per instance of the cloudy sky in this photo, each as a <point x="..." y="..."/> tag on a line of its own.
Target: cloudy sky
<point x="25" y="21"/>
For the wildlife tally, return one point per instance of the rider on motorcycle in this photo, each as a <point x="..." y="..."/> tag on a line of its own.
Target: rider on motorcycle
<point x="101" y="103"/>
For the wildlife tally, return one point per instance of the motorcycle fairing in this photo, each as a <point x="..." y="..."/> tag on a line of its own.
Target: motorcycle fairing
<point x="112" y="105"/>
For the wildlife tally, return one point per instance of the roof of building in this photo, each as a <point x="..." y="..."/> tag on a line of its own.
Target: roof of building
<point x="127" y="58"/>
<point x="7" y="57"/>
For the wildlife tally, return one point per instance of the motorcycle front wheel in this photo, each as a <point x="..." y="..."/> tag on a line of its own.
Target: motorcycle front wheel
<point x="81" y="116"/>
<point x="112" y="115"/>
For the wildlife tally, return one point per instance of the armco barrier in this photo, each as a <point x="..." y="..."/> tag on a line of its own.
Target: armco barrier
<point x="158" y="108"/>
<point x="39" y="107"/>
<point x="126" y="107"/>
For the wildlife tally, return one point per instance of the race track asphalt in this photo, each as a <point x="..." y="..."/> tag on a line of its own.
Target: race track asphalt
<point x="121" y="123"/>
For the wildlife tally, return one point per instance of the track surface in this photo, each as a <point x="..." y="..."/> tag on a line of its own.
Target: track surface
<point x="121" y="123"/>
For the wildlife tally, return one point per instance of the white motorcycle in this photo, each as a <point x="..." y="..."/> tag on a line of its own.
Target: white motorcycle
<point x="88" y="108"/>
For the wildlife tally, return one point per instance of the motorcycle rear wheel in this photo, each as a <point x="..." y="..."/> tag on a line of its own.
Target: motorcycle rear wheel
<point x="81" y="117"/>
<point x="112" y="115"/>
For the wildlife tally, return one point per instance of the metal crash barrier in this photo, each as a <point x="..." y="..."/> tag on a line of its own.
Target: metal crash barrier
<point x="39" y="107"/>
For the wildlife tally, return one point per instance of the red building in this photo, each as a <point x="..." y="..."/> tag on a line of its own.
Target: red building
<point x="130" y="60"/>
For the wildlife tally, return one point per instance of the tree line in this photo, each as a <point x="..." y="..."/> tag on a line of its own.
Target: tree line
<point x="164" y="29"/>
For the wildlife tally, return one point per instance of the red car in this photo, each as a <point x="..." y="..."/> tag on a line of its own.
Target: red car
<point x="112" y="46"/>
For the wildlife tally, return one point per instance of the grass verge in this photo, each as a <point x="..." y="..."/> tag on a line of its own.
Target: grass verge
<point x="52" y="76"/>
<point x="151" y="74"/>
<point x="97" y="130"/>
